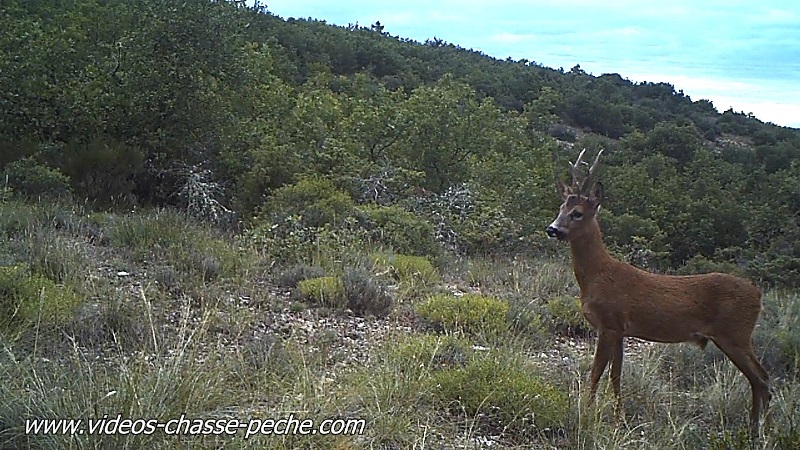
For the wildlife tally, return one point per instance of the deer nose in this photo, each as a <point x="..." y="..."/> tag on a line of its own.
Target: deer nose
<point x="552" y="231"/>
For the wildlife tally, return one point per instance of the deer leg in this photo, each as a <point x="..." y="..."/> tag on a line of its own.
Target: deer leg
<point x="605" y="347"/>
<point x="616" y="373"/>
<point x="745" y="360"/>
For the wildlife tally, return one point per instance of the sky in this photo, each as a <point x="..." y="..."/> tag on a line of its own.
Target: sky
<point x="740" y="54"/>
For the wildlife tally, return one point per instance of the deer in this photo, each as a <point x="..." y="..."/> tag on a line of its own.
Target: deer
<point x="620" y="300"/>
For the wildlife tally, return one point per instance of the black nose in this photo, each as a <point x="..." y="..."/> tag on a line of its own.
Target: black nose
<point x="552" y="232"/>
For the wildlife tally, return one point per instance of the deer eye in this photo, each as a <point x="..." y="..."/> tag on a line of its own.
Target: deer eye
<point x="576" y="215"/>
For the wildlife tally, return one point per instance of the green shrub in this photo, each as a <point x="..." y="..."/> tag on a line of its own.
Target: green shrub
<point x="701" y="264"/>
<point x="31" y="179"/>
<point x="204" y="257"/>
<point x="26" y="299"/>
<point x="328" y="291"/>
<point x="314" y="199"/>
<point x="728" y="440"/>
<point x="776" y="270"/>
<point x="470" y="313"/>
<point x="486" y="229"/>
<point x="501" y="393"/>
<point x="410" y="269"/>
<point x="398" y="229"/>
<point x="364" y="294"/>
<point x="290" y="241"/>
<point x="566" y="316"/>
<point x="16" y="217"/>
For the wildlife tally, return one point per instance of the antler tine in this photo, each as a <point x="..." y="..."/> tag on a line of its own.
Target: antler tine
<point x="573" y="169"/>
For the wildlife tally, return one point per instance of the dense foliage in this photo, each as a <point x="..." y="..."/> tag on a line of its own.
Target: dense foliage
<point x="230" y="111"/>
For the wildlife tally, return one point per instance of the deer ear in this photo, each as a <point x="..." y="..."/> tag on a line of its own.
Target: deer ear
<point x="596" y="197"/>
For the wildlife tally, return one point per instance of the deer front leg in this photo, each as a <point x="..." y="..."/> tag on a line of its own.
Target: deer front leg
<point x="605" y="348"/>
<point x="616" y="373"/>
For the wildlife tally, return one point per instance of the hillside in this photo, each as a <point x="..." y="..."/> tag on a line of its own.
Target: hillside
<point x="208" y="210"/>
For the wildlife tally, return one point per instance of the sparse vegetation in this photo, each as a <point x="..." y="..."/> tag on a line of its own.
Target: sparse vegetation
<point x="493" y="372"/>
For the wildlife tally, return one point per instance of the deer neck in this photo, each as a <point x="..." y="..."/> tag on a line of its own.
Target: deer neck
<point x="589" y="256"/>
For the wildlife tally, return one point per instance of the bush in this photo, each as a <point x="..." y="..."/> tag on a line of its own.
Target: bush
<point x="314" y="199"/>
<point x="566" y="316"/>
<point x="328" y="291"/>
<point x="26" y="299"/>
<point x="398" y="229"/>
<point x="290" y="241"/>
<point x="408" y="269"/>
<point x="502" y="394"/>
<point x="365" y="295"/>
<point x="470" y="313"/>
<point x="701" y="264"/>
<point x="33" y="180"/>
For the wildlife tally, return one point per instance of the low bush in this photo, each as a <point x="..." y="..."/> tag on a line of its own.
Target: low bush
<point x="470" y="313"/>
<point x="112" y="322"/>
<point x="502" y="395"/>
<point x="315" y="200"/>
<point x="365" y="295"/>
<point x="701" y="264"/>
<point x="566" y="316"/>
<point x="525" y="319"/>
<point x="27" y="299"/>
<point x="408" y="269"/>
<point x="327" y="291"/>
<point x="398" y="229"/>
<point x="29" y="178"/>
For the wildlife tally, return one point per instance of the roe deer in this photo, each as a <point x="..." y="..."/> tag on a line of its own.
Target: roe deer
<point x="620" y="300"/>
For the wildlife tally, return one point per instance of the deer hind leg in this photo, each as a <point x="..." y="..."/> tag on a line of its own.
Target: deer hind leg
<point x="742" y="355"/>
<point x="605" y="348"/>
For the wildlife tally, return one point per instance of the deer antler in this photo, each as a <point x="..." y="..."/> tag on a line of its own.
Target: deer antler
<point x="579" y="182"/>
<point x="573" y="170"/>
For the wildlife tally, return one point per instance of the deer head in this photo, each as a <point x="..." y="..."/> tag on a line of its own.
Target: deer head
<point x="581" y="201"/>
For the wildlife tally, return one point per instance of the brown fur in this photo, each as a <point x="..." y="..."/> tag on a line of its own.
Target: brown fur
<point x="620" y="300"/>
